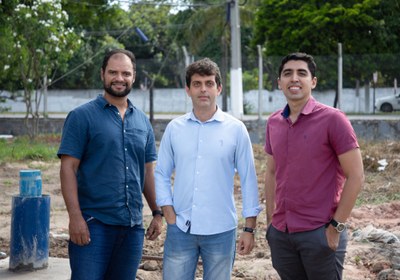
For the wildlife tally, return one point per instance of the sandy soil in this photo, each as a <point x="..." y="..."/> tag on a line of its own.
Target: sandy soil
<point x="365" y="259"/>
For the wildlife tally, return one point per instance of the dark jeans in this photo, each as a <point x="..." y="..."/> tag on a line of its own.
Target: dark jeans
<point x="306" y="255"/>
<point x="114" y="252"/>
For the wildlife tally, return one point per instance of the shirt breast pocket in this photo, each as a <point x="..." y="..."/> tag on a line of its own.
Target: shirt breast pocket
<point x="137" y="138"/>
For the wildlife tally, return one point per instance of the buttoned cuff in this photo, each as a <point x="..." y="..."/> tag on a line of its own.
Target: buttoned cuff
<point x="252" y="212"/>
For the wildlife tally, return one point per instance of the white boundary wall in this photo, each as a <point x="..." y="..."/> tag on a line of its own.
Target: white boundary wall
<point x="177" y="101"/>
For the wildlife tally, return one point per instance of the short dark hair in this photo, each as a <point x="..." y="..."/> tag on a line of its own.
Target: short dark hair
<point x="109" y="54"/>
<point x="203" y="67"/>
<point x="312" y="66"/>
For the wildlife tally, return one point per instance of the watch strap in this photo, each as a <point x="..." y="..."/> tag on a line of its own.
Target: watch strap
<point x="249" y="230"/>
<point x="338" y="225"/>
<point x="334" y="223"/>
<point x="157" y="212"/>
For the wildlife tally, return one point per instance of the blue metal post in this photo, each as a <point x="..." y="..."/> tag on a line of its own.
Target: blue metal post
<point x="30" y="223"/>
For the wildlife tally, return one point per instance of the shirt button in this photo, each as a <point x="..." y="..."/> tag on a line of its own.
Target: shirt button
<point x="126" y="149"/>
<point x="126" y="186"/>
<point x="127" y="168"/>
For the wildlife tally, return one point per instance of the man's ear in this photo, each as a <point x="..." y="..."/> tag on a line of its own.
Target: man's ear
<point x="314" y="84"/>
<point x="220" y="90"/>
<point x="102" y="74"/>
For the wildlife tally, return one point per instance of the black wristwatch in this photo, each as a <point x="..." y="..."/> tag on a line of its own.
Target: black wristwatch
<point x="157" y="212"/>
<point x="249" y="230"/>
<point x="338" y="225"/>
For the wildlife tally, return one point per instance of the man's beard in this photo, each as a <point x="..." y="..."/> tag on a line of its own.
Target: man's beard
<point x="114" y="93"/>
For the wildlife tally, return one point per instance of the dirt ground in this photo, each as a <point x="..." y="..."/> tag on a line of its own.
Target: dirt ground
<point x="365" y="259"/>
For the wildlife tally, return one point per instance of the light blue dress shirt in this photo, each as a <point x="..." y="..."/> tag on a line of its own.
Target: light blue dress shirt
<point x="202" y="158"/>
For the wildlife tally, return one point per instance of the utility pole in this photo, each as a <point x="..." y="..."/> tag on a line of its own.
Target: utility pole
<point x="236" y="62"/>
<point x="340" y="76"/>
<point x="260" y="82"/>
<point x="375" y="80"/>
<point x="45" y="112"/>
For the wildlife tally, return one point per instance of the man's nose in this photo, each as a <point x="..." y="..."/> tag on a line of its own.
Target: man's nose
<point x="295" y="77"/>
<point x="119" y="77"/>
<point x="203" y="87"/>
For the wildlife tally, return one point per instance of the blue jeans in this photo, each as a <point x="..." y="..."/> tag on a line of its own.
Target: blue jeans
<point x="114" y="252"/>
<point x="306" y="255"/>
<point x="182" y="251"/>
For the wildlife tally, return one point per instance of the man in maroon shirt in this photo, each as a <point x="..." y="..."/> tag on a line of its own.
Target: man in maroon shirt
<point x="314" y="174"/>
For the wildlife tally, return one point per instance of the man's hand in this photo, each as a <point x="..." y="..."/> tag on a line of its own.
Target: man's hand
<point x="79" y="231"/>
<point x="332" y="236"/>
<point x="154" y="230"/>
<point x="246" y="243"/>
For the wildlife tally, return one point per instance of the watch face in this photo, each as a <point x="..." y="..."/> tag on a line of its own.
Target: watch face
<point x="340" y="227"/>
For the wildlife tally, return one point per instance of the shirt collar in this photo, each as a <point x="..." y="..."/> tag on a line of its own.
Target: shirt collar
<point x="218" y="116"/>
<point x="104" y="103"/>
<point x="307" y="109"/>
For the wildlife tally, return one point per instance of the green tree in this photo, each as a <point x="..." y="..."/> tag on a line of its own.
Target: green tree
<point x="101" y="25"/>
<point x="207" y="33"/>
<point x="41" y="45"/>
<point x="316" y="27"/>
<point x="151" y="43"/>
<point x="8" y="80"/>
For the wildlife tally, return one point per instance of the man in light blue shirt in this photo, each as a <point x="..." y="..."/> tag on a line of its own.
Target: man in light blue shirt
<point x="202" y="151"/>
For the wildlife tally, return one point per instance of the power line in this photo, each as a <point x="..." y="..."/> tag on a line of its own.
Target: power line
<point x="86" y="61"/>
<point x="149" y="3"/>
<point x="171" y="4"/>
<point x="130" y="2"/>
<point x="118" y="31"/>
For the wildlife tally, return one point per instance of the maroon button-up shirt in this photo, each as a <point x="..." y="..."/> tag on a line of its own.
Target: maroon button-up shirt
<point x="309" y="179"/>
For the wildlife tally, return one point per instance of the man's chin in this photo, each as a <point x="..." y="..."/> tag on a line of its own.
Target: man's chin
<point x="115" y="93"/>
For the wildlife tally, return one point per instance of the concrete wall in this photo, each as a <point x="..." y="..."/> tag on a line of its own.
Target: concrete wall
<point x="366" y="129"/>
<point x="177" y="101"/>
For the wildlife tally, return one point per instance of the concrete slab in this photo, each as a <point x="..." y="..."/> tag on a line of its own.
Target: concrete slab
<point x="58" y="269"/>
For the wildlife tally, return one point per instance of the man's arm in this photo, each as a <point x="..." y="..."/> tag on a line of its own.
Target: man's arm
<point x="244" y="163"/>
<point x="163" y="172"/>
<point x="352" y="166"/>
<point x="149" y="193"/>
<point x="246" y="240"/>
<point x="78" y="230"/>
<point x="270" y="185"/>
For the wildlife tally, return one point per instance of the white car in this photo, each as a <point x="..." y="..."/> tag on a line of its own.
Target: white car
<point x="388" y="103"/>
